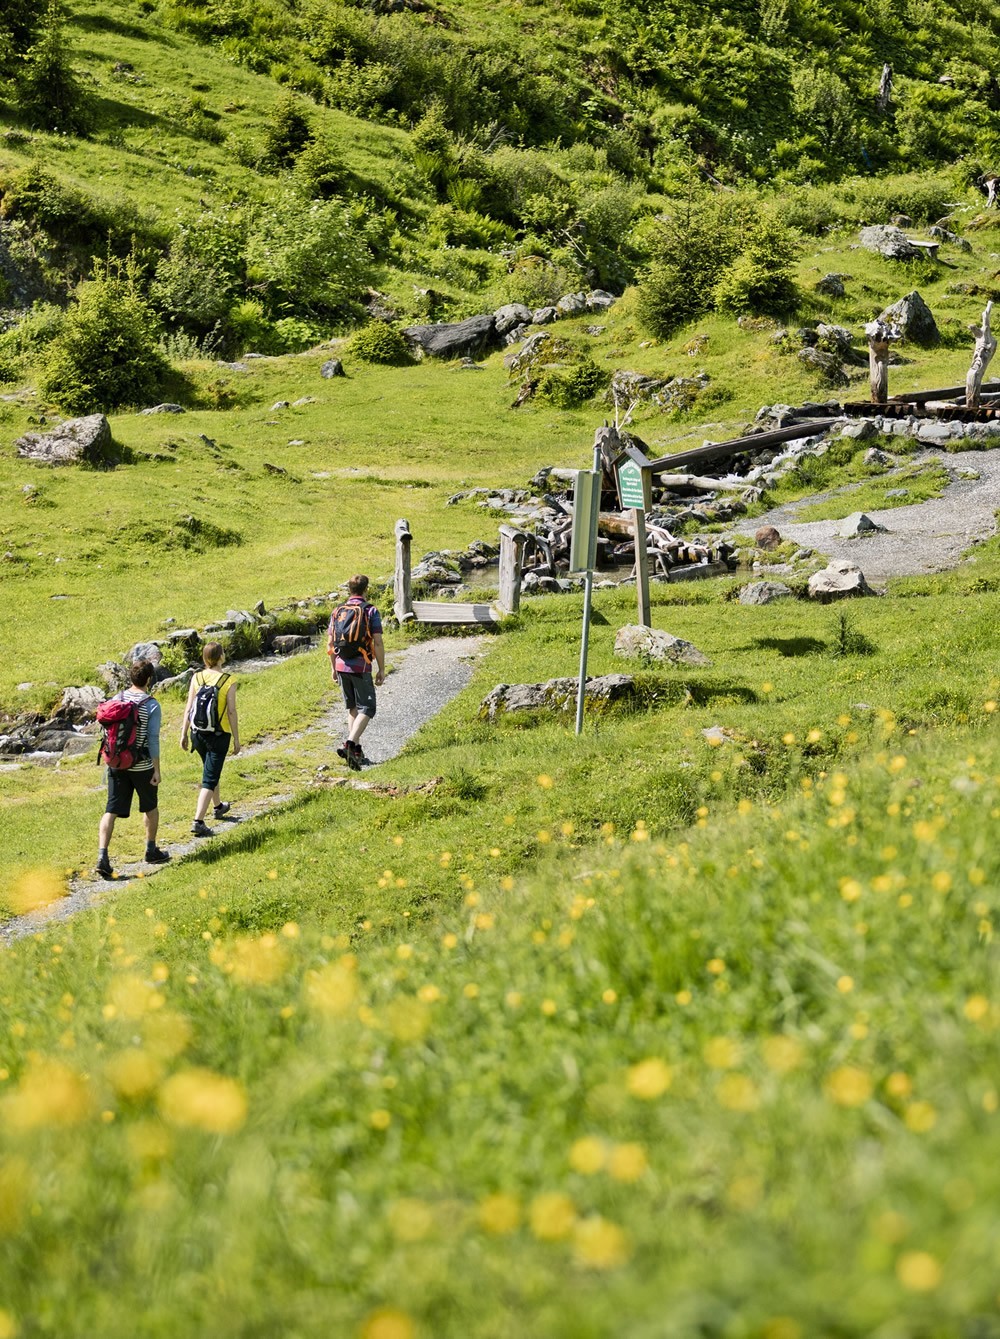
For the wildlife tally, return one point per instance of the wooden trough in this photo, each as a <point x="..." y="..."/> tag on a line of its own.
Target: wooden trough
<point x="454" y="613"/>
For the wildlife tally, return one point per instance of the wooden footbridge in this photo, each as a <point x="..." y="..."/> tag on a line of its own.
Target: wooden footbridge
<point x="456" y="613"/>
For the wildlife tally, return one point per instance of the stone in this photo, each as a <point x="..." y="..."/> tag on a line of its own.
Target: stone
<point x="897" y="492"/>
<point x="79" y="440"/>
<point x="876" y="458"/>
<point x="599" y="300"/>
<point x="259" y="609"/>
<point x="767" y="537"/>
<point x="637" y="642"/>
<point x="177" y="680"/>
<point x="77" y="745"/>
<point x="914" y="318"/>
<point x="826" y="363"/>
<point x="144" y="651"/>
<point x="831" y="286"/>
<point x="237" y="616"/>
<point x="511" y="315"/>
<point x="859" y="524"/>
<point x="304" y="400"/>
<point x="181" y="635"/>
<point x="886" y="240"/>
<point x="544" y="316"/>
<point x="279" y="404"/>
<point x="764" y="592"/>
<point x="557" y="695"/>
<point x="937" y="434"/>
<point x="838" y="581"/>
<point x="716" y="735"/>
<point x="572" y="304"/>
<point x="290" y="643"/>
<point x="114" y="674"/>
<point x="860" y="430"/>
<point x="333" y="367"/>
<point x="471" y="338"/>
<point x="835" y="338"/>
<point x="53" y="741"/>
<point x="80" y="704"/>
<point x="944" y="235"/>
<point x="164" y="409"/>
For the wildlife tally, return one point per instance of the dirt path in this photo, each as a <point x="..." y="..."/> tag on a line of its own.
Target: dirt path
<point x="926" y="537"/>
<point x="423" y="679"/>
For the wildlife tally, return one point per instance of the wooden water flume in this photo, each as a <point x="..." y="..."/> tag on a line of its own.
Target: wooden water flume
<point x="454" y="613"/>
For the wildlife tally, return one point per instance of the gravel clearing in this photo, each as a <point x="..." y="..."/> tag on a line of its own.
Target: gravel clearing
<point x="422" y="679"/>
<point x="927" y="537"/>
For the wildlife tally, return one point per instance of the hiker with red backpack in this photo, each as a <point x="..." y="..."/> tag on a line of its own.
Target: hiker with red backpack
<point x="354" y="643"/>
<point x="130" y="746"/>
<point x="211" y="721"/>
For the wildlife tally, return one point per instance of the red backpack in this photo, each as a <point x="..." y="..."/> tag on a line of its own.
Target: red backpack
<point x="119" y="722"/>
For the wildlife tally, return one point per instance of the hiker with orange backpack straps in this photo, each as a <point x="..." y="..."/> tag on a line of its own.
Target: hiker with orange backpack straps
<point x="131" y="748"/>
<point x="354" y="643"/>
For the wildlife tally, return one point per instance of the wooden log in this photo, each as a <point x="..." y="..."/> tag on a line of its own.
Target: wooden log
<point x="700" y="483"/>
<point x="511" y="550"/>
<point x="986" y="347"/>
<point x="880" y="335"/>
<point x="702" y="455"/>
<point x="942" y="393"/>
<point x="402" y="589"/>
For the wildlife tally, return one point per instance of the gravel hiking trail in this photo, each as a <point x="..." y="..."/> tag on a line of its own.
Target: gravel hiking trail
<point x="927" y="537"/>
<point x="422" y="680"/>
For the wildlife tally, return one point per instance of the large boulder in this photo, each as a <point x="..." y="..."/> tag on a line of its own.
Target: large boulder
<point x="510" y="316"/>
<point x="333" y="367"/>
<point x="557" y="695"/>
<point x="77" y="441"/>
<point x="290" y="643"/>
<point x="80" y="704"/>
<point x="838" y="581"/>
<point x="463" y="339"/>
<point x="144" y="651"/>
<point x="764" y="592"/>
<point x="634" y="642"/>
<point x="914" y="318"/>
<point x="889" y="241"/>
<point x="767" y="537"/>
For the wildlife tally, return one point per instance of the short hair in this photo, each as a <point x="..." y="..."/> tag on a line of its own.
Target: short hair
<point x="142" y="672"/>
<point x="358" y="584"/>
<point x="212" y="652"/>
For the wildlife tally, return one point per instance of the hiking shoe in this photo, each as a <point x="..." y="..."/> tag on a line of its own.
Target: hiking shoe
<point x="103" y="869"/>
<point x="157" y="856"/>
<point x="354" y="757"/>
<point x="222" y="809"/>
<point x="201" y="829"/>
<point x="344" y="751"/>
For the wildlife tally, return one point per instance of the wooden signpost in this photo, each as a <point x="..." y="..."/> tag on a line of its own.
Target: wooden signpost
<point x="582" y="556"/>
<point x="635" y="491"/>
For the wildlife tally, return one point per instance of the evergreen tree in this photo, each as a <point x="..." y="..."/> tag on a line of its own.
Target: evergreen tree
<point x="48" y="93"/>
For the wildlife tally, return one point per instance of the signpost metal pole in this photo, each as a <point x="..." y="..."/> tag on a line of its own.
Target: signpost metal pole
<point x="636" y="493"/>
<point x="642" y="567"/>
<point x="588" y="592"/>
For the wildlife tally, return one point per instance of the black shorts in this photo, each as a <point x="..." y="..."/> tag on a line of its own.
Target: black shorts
<point x="123" y="785"/>
<point x="211" y="747"/>
<point x="359" y="692"/>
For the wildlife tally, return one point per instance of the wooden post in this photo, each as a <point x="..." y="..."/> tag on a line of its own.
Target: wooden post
<point x="403" y="604"/>
<point x="641" y="567"/>
<point x="879" y="336"/>
<point x="986" y="347"/>
<point x="511" y="552"/>
<point x="884" y="89"/>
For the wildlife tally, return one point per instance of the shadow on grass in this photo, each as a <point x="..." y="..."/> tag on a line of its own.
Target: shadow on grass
<point x="791" y="646"/>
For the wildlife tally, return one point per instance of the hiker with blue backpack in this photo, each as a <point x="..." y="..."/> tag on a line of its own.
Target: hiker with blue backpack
<point x="130" y="747"/>
<point x="212" y="726"/>
<point x="354" y="643"/>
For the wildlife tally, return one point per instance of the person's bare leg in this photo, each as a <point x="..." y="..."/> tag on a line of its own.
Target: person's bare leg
<point x="359" y="724"/>
<point x="152" y="822"/>
<point x="105" y="830"/>
<point x="205" y="798"/>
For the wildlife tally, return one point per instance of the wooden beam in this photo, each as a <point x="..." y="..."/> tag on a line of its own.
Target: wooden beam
<point x="447" y="613"/>
<point x="702" y="455"/>
<point x="512" y="543"/>
<point x="942" y="393"/>
<point x="402" y="590"/>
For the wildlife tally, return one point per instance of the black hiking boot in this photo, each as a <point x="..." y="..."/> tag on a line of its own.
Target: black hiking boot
<point x="344" y="751"/>
<point x="354" y="757"/>
<point x="157" y="856"/>
<point x="103" y="869"/>
<point x="201" y="829"/>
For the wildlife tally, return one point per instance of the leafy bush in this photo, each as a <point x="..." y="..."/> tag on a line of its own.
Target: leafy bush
<point x="566" y="389"/>
<point x="48" y="92"/>
<point x="308" y="257"/>
<point x="288" y="133"/>
<point x="380" y="342"/>
<point x="319" y="171"/>
<point x="106" y="354"/>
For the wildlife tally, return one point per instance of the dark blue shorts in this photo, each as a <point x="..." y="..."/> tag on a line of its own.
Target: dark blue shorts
<point x="359" y="692"/>
<point x="211" y="747"/>
<point x="123" y="785"/>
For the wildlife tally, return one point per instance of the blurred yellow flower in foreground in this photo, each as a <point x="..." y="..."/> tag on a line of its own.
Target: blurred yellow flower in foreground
<point x="848" y="1086"/>
<point x="9" y="1328"/>
<point x="199" y="1099"/>
<point x="588" y="1155"/>
<point x="781" y="1327"/>
<point x="649" y="1079"/>
<point x="552" y="1216"/>
<point x="721" y="1053"/>
<point x="600" y="1244"/>
<point x="628" y="1162"/>
<point x="333" y="989"/>
<point x="130" y="996"/>
<point x="976" y="1007"/>
<point x="49" y="1094"/>
<point x="388" y="1323"/>
<point x="920" y="1117"/>
<point x="500" y="1214"/>
<point x="36" y="888"/>
<point x="133" y="1073"/>
<point x="256" y="962"/>
<point x="736" y="1092"/>
<point x="918" y="1271"/>
<point x="16" y="1185"/>
<point x="410" y="1220"/>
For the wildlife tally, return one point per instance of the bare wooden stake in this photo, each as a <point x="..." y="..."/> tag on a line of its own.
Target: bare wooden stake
<point x="403" y="602"/>
<point x="511" y="551"/>
<point x="884" y="89"/>
<point x="986" y="347"/>
<point x="880" y="334"/>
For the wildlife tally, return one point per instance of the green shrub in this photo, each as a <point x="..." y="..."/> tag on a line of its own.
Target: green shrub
<point x="289" y="131"/>
<point x="319" y="171"/>
<point x="48" y="93"/>
<point x="106" y="354"/>
<point x="570" y="387"/>
<point x="308" y="257"/>
<point x="380" y="342"/>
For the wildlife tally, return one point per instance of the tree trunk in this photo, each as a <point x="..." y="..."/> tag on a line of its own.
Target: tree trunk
<point x="986" y="347"/>
<point x="879" y="337"/>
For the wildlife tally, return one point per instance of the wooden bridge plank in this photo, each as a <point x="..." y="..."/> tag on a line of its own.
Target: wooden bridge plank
<point x="442" y="612"/>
